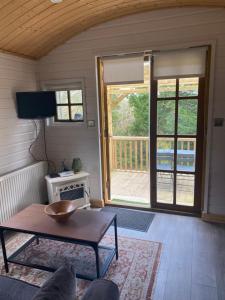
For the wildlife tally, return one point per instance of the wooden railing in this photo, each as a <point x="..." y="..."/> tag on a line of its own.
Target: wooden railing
<point x="131" y="153"/>
<point x="184" y="144"/>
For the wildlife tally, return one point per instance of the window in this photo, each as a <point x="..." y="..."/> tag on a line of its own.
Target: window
<point x="70" y="101"/>
<point x="69" y="106"/>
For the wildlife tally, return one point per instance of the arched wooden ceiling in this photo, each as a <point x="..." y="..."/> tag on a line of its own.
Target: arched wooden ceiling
<point x="32" y="28"/>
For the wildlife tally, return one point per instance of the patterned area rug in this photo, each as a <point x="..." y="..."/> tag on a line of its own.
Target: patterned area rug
<point x="134" y="272"/>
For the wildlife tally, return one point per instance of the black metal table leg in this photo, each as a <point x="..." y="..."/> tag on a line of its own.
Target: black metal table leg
<point x="4" y="251"/>
<point x="37" y="239"/>
<point x="116" y="238"/>
<point x="97" y="261"/>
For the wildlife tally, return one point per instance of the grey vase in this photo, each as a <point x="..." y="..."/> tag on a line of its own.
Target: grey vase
<point x="76" y="165"/>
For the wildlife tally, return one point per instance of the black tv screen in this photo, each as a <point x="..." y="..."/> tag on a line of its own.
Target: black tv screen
<point x="36" y="105"/>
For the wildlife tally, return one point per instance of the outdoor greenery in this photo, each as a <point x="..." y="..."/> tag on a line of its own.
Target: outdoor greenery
<point x="122" y="119"/>
<point x="139" y="104"/>
<point x="131" y="116"/>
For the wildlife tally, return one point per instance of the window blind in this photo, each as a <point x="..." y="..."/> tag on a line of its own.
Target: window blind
<point x="180" y="63"/>
<point x="124" y="70"/>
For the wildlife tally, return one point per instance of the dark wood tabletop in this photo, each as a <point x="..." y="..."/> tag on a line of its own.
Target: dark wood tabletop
<point x="83" y="225"/>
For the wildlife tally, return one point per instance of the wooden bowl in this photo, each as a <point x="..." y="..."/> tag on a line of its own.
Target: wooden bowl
<point x="61" y="210"/>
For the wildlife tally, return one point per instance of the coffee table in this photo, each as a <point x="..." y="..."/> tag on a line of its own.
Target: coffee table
<point x="85" y="227"/>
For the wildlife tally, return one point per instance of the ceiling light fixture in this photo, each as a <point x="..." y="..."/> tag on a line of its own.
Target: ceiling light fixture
<point x="56" y="1"/>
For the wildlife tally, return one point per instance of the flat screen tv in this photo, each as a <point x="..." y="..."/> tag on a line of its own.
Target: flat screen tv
<point x="36" y="105"/>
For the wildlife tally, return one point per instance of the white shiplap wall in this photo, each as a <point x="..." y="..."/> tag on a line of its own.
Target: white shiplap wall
<point x="151" y="30"/>
<point x="16" y="74"/>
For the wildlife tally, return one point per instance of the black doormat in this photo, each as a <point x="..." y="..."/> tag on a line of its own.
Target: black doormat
<point x="131" y="219"/>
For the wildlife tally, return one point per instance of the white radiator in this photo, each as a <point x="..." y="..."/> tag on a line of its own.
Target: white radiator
<point x="22" y="188"/>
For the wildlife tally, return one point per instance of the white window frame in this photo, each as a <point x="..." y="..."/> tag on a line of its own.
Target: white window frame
<point x="62" y="85"/>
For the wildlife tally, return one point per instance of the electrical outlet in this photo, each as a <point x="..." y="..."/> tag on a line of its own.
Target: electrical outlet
<point x="91" y="123"/>
<point x="218" y="122"/>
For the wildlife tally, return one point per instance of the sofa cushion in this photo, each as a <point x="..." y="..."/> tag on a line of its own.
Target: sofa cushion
<point x="61" y="286"/>
<point x="102" y="289"/>
<point x="11" y="289"/>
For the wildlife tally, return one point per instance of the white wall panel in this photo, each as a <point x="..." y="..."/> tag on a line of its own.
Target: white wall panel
<point x="16" y="74"/>
<point x="151" y="30"/>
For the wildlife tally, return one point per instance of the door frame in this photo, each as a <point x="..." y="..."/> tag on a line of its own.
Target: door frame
<point x="209" y="86"/>
<point x="199" y="150"/>
<point x="103" y="133"/>
<point x="201" y="153"/>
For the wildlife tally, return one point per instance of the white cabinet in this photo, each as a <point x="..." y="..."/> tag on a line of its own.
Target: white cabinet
<point x="75" y="188"/>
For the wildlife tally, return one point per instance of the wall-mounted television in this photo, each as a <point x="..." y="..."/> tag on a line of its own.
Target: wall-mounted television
<point x="36" y="105"/>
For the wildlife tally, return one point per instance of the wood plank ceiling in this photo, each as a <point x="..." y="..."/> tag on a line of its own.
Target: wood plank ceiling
<point x="32" y="28"/>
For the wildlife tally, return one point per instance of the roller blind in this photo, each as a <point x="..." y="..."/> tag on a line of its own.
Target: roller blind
<point x="124" y="70"/>
<point x="180" y="63"/>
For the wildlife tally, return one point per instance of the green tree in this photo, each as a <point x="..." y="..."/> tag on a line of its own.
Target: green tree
<point x="122" y="117"/>
<point x="132" y="118"/>
<point x="187" y="115"/>
<point x="140" y="108"/>
<point x="165" y="116"/>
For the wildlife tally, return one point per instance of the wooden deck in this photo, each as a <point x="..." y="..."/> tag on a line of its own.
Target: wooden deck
<point x="133" y="188"/>
<point x="130" y="188"/>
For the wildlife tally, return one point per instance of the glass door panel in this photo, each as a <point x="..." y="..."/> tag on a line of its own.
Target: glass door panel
<point x="185" y="188"/>
<point x="166" y="88"/>
<point x="166" y="117"/>
<point x="165" y="154"/>
<point x="186" y="154"/>
<point x="177" y="138"/>
<point x="187" y="116"/>
<point x="165" y="185"/>
<point x="188" y="87"/>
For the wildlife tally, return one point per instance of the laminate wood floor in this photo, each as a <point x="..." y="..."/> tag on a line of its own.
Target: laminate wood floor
<point x="192" y="265"/>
